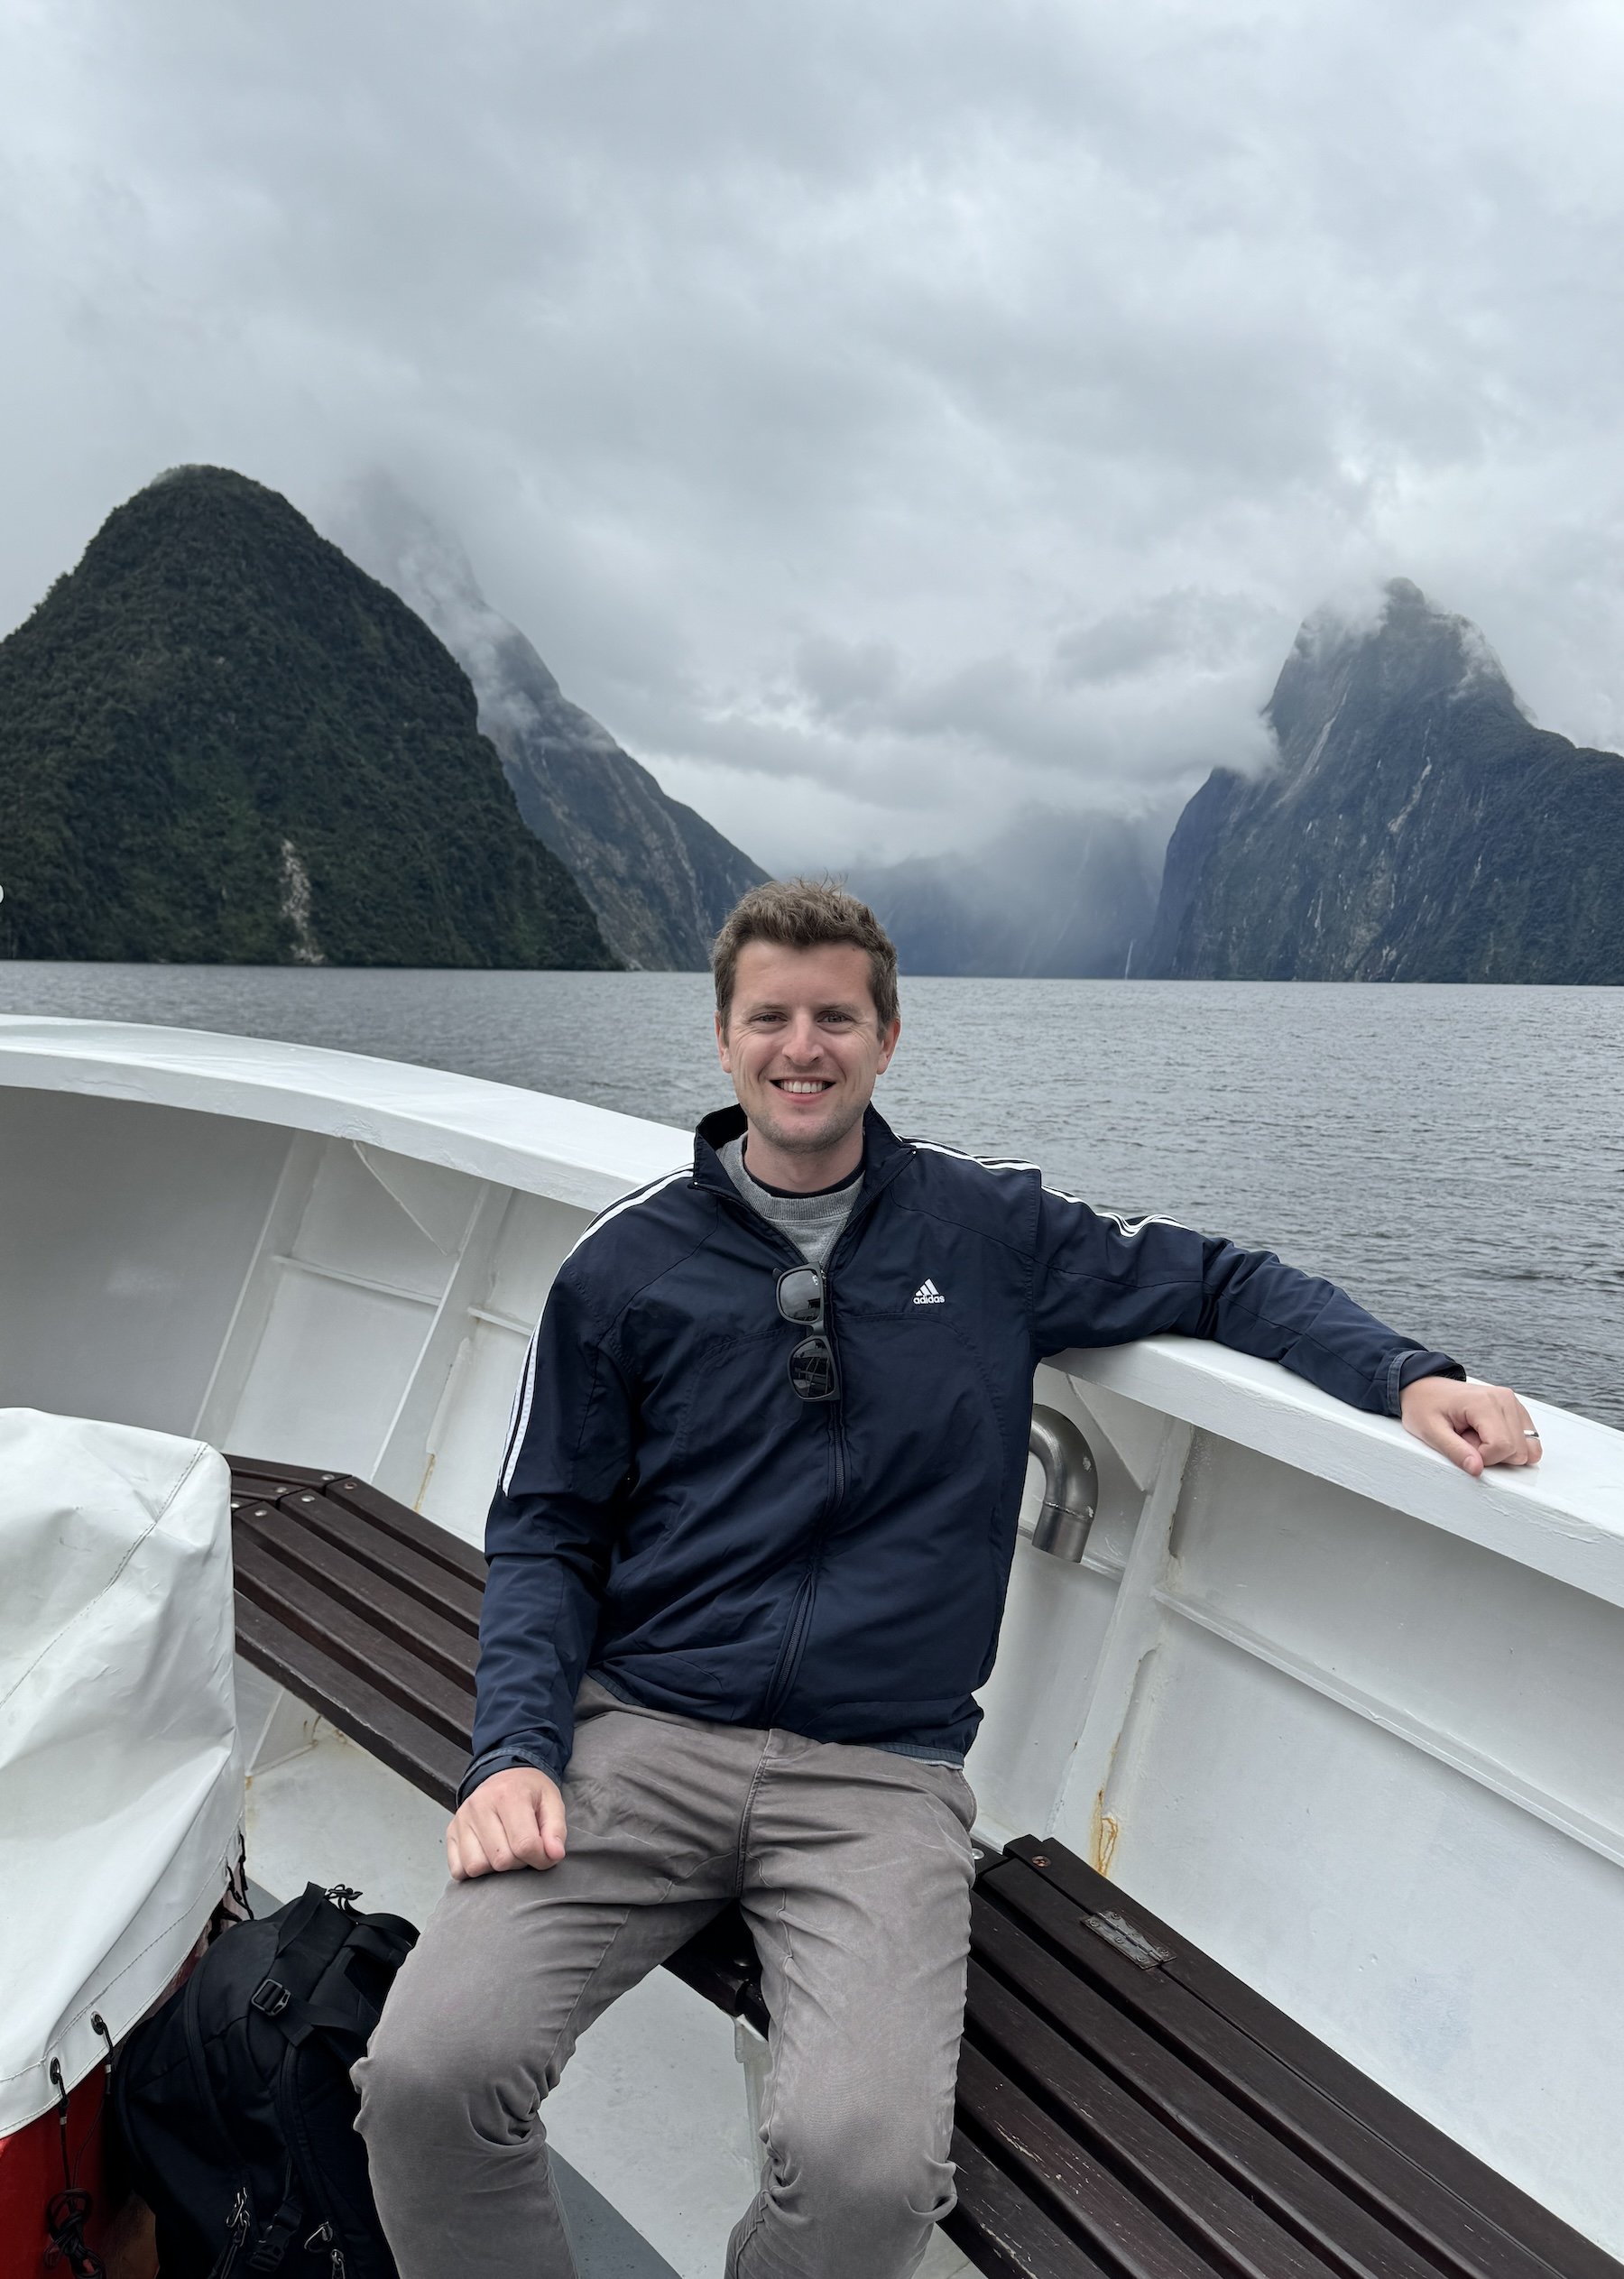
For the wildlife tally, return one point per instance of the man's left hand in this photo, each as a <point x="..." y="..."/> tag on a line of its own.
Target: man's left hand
<point x="1472" y="1425"/>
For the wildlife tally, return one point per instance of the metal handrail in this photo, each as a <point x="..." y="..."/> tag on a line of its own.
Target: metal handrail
<point x="1071" y="1482"/>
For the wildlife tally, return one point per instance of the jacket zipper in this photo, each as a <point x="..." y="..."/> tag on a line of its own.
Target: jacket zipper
<point x="787" y="1664"/>
<point x="786" y="1667"/>
<point x="795" y="1643"/>
<point x="791" y="1654"/>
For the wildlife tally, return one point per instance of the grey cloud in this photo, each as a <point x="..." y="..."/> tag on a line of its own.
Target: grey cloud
<point x="1205" y="630"/>
<point x="877" y="417"/>
<point x="847" y="678"/>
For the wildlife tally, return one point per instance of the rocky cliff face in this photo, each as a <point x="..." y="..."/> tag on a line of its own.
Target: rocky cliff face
<point x="658" y="875"/>
<point x="222" y="741"/>
<point x="1055" y="896"/>
<point x="1416" y="827"/>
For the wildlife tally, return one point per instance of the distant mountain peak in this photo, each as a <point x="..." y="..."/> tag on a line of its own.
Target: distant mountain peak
<point x="1419" y="826"/>
<point x="1344" y="668"/>
<point x="221" y="740"/>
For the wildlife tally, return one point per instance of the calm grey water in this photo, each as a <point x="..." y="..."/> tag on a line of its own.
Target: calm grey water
<point x="1455" y="1156"/>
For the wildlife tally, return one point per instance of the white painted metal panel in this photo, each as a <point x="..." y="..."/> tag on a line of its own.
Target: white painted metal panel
<point x="471" y="1432"/>
<point x="1466" y="1650"/>
<point x="355" y="1225"/>
<point x="1054" y="1628"/>
<point x="539" y="1236"/>
<point x="1462" y="1951"/>
<point x="327" y="1375"/>
<point x="125" y="1231"/>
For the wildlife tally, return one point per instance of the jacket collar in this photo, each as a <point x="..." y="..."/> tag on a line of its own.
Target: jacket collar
<point x="883" y="1154"/>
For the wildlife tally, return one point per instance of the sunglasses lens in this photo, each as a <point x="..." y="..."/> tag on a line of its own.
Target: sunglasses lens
<point x="800" y="1295"/>
<point x="812" y="1370"/>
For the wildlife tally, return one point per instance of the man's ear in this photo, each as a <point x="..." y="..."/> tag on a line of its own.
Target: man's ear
<point x="722" y="1053"/>
<point x="888" y="1044"/>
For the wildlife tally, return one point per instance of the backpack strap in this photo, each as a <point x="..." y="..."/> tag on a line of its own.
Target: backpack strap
<point x="388" y="1947"/>
<point x="317" y="1933"/>
<point x="298" y="2018"/>
<point x="313" y="1923"/>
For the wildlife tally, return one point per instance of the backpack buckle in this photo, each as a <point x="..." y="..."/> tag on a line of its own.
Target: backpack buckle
<point x="270" y="1998"/>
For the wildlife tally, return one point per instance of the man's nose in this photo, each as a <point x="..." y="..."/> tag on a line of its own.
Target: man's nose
<point x="803" y="1042"/>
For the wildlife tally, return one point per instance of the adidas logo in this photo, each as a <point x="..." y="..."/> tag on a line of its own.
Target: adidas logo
<point x="927" y="1294"/>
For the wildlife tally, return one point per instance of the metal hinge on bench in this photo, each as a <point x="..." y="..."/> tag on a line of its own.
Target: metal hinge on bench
<point x="1118" y="1934"/>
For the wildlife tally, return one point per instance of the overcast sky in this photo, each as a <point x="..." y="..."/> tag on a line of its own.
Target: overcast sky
<point x="880" y="416"/>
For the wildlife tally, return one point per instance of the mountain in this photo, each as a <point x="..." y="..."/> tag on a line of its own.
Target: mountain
<point x="1055" y="895"/>
<point x="222" y="741"/>
<point x="659" y="878"/>
<point x="1416" y="827"/>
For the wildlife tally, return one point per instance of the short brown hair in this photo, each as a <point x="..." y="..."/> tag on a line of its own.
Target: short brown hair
<point x="804" y="914"/>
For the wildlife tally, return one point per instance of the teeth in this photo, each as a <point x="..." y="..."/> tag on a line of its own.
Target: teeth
<point x="787" y="1083"/>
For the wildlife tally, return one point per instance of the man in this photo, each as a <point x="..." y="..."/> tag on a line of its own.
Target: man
<point x="748" y="1559"/>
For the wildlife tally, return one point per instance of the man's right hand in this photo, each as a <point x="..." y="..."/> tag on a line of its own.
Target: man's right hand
<point x="515" y="1819"/>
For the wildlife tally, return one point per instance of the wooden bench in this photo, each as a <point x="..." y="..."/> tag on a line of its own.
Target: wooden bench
<point x="1126" y="2109"/>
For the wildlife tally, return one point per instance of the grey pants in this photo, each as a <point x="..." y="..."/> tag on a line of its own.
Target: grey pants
<point x="854" y="1867"/>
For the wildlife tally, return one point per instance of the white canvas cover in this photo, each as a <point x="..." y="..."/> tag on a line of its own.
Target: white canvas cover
<point x="121" y="1786"/>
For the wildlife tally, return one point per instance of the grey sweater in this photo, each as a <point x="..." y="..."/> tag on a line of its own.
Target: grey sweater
<point x="812" y="1222"/>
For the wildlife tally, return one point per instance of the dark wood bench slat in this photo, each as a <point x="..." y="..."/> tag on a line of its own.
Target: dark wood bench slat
<point x="1333" y="2225"/>
<point x="288" y="1536"/>
<point x="1363" y="2163"/>
<point x="249" y="1471"/>
<point x="246" y="1488"/>
<point x="344" y="1638"/>
<point x="380" y="1725"/>
<point x="449" y="1596"/>
<point x="353" y="1494"/>
<point x="997" y="2227"/>
<point x="1064" y="2176"/>
<point x="1160" y="2168"/>
<point x="1556" y="2244"/>
<point x="409" y="1527"/>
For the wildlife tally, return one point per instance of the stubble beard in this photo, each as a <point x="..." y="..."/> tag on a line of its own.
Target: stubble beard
<point x="801" y="1142"/>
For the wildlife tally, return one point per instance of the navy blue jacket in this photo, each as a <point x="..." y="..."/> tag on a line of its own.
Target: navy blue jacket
<point x="671" y="1514"/>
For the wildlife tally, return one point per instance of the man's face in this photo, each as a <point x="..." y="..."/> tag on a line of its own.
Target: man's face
<point x="803" y="1044"/>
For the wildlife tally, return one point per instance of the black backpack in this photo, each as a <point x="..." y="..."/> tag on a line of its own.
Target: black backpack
<point x="234" y="2101"/>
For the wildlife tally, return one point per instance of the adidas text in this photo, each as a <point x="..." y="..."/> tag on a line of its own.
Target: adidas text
<point x="927" y="1294"/>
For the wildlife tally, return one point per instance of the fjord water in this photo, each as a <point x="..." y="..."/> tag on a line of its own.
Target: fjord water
<point x="1454" y="1156"/>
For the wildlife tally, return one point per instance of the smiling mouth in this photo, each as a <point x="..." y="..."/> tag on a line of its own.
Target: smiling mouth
<point x="802" y="1088"/>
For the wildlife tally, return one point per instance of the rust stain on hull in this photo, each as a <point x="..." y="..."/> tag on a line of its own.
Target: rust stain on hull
<point x="1104" y="1829"/>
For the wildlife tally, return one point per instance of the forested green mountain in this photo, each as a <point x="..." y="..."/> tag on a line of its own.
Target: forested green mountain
<point x="221" y="741"/>
<point x="1416" y="826"/>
